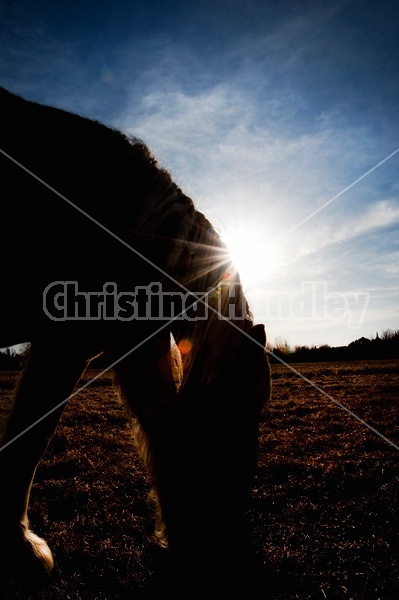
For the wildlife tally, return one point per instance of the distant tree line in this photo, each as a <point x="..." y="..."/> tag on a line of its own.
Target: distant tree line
<point x="384" y="346"/>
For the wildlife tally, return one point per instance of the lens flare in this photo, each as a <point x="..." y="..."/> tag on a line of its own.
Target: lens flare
<point x="185" y="346"/>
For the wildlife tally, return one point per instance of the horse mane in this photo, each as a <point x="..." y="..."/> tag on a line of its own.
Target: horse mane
<point x="91" y="203"/>
<point x="195" y="257"/>
<point x="143" y="206"/>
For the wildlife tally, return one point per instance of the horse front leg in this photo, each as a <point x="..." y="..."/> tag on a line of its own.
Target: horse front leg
<point x="46" y="382"/>
<point x="158" y="365"/>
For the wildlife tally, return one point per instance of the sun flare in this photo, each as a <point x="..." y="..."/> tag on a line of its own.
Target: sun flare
<point x="251" y="254"/>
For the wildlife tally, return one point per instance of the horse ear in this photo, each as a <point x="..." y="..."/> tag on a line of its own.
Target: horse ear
<point x="258" y="333"/>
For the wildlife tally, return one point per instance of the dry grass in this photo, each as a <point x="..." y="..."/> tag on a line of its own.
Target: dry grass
<point x="325" y="506"/>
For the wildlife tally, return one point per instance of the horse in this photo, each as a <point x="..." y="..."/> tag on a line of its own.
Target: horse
<point x="104" y="254"/>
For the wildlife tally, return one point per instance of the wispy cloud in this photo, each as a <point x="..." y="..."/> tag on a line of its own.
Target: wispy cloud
<point x="265" y="120"/>
<point x="345" y="226"/>
<point x="381" y="214"/>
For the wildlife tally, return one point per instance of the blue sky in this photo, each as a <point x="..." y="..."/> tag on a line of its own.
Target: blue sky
<point x="280" y="119"/>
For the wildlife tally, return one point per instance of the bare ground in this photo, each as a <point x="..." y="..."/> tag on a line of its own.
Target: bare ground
<point x="325" y="506"/>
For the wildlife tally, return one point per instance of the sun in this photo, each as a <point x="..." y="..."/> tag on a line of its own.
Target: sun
<point x="250" y="253"/>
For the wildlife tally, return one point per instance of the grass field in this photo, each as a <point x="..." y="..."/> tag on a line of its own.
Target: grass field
<point x="325" y="506"/>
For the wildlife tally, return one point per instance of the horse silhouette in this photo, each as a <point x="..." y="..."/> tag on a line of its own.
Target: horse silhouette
<point x="104" y="254"/>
